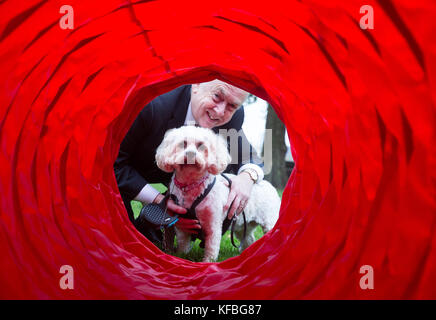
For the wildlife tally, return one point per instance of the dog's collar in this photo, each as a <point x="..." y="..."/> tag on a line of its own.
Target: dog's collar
<point x="187" y="187"/>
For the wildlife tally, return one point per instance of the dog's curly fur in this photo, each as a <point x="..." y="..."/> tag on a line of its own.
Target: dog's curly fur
<point x="194" y="153"/>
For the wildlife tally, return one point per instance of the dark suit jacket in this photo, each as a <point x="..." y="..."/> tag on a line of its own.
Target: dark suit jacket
<point x="135" y="165"/>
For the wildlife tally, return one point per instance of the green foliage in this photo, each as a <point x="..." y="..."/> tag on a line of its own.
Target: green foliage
<point x="227" y="250"/>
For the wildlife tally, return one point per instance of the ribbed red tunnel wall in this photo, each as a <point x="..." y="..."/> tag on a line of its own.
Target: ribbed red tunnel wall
<point x="358" y="106"/>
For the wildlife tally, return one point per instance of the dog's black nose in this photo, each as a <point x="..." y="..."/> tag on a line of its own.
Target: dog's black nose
<point x="190" y="157"/>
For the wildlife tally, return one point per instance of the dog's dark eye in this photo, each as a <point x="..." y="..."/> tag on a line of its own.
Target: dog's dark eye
<point x="183" y="144"/>
<point x="200" y="146"/>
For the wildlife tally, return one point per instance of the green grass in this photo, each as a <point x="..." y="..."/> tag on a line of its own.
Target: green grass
<point x="227" y="250"/>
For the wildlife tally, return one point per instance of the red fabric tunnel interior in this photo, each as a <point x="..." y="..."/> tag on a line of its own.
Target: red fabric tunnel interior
<point x="358" y="105"/>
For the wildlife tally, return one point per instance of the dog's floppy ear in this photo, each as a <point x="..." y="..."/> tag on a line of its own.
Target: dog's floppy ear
<point x="218" y="157"/>
<point x="164" y="153"/>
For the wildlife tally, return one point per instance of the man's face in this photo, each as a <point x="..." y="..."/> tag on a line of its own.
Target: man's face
<point x="214" y="103"/>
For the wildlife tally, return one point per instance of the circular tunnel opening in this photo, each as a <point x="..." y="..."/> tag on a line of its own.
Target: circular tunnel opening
<point x="260" y="133"/>
<point x="135" y="102"/>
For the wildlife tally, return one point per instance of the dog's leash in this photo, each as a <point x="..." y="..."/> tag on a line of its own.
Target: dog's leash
<point x="232" y="221"/>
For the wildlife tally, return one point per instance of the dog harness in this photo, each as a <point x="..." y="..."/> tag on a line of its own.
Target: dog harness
<point x="191" y="214"/>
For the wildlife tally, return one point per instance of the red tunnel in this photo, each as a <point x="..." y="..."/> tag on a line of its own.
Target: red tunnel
<point x="358" y="104"/>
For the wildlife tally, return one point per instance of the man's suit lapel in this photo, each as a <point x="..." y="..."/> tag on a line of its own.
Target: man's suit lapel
<point x="180" y="109"/>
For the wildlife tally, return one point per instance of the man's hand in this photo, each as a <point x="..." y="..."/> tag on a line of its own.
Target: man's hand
<point x="240" y="192"/>
<point x="187" y="225"/>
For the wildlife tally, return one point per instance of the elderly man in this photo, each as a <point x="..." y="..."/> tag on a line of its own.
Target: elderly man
<point x="215" y="105"/>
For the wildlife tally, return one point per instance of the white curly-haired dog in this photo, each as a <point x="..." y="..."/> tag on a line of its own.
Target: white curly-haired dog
<point x="198" y="155"/>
